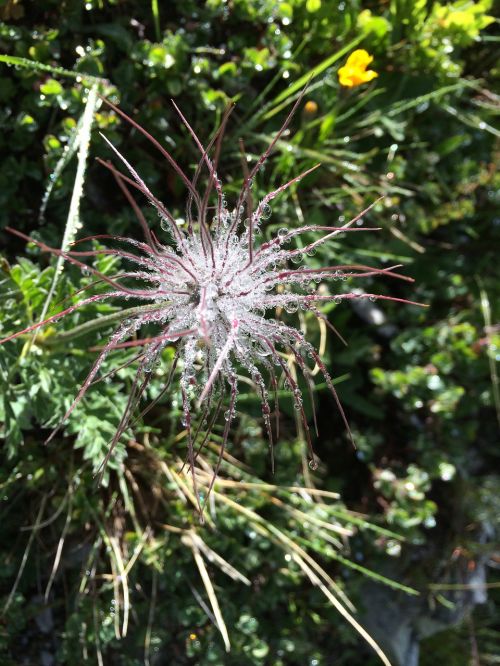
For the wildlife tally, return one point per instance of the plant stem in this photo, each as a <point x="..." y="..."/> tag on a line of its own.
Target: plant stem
<point x="93" y="324"/>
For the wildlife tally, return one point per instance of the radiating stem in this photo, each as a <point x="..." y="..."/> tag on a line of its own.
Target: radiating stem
<point x="94" y="324"/>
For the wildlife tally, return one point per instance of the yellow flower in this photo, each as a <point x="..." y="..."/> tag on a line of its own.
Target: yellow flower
<point x="354" y="72"/>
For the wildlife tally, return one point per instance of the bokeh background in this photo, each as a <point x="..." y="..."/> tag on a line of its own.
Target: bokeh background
<point x="125" y="573"/>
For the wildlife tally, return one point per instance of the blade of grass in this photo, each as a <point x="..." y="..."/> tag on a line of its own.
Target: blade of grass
<point x="97" y="626"/>
<point x="308" y="564"/>
<point x="73" y="219"/>
<point x="471" y="120"/>
<point x="402" y="106"/>
<point x="115" y="580"/>
<point x="156" y="18"/>
<point x="373" y="574"/>
<point x="69" y="151"/>
<point x="247" y="485"/>
<point x="122" y="576"/>
<point x="182" y="483"/>
<point x="36" y="66"/>
<point x="138" y="549"/>
<point x="214" y="557"/>
<point x="486" y="311"/>
<point x="189" y="541"/>
<point x="149" y="628"/>
<point x="315" y="580"/>
<point x="264" y="94"/>
<point x="277" y="102"/>
<point x="303" y="517"/>
<point x="60" y="546"/>
<point x="202" y="604"/>
<point x="26" y="554"/>
<point x="283" y="540"/>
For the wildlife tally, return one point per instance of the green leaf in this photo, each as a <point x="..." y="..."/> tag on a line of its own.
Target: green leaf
<point x="51" y="87"/>
<point x="313" y="5"/>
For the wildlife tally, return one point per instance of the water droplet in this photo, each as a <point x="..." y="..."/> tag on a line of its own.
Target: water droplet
<point x="263" y="351"/>
<point x="265" y="212"/>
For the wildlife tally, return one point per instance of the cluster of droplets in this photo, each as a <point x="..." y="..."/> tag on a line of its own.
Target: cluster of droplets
<point x="213" y="296"/>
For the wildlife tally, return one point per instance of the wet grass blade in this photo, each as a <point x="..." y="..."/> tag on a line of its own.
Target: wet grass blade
<point x="73" y="219"/>
<point x="36" y="66"/>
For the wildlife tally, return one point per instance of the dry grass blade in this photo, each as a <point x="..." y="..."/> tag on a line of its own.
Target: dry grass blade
<point x="251" y="485"/>
<point x="60" y="546"/>
<point x="308" y="565"/>
<point x="214" y="557"/>
<point x="277" y="536"/>
<point x="116" y="595"/>
<point x="315" y="580"/>
<point x="122" y="577"/>
<point x="182" y="486"/>
<point x="294" y="549"/>
<point x="302" y="516"/>
<point x="189" y="541"/>
<point x="486" y="311"/>
<point x="138" y="549"/>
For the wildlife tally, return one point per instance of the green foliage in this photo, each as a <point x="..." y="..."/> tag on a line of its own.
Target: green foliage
<point x="420" y="386"/>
